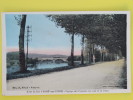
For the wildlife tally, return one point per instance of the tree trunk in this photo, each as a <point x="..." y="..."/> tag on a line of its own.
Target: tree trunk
<point x="93" y="55"/>
<point x="102" y="53"/>
<point x="90" y="54"/>
<point x="111" y="57"/>
<point x="21" y="45"/>
<point x="72" y="50"/>
<point x="90" y="57"/>
<point x="82" y="51"/>
<point x="101" y="56"/>
<point x="123" y="51"/>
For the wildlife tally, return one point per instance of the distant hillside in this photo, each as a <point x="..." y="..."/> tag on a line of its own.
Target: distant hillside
<point x="46" y="56"/>
<point x="15" y="55"/>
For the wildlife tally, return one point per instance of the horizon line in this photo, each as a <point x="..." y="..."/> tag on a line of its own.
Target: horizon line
<point x="47" y="52"/>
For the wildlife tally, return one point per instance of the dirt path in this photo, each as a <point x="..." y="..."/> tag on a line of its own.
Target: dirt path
<point x="98" y="76"/>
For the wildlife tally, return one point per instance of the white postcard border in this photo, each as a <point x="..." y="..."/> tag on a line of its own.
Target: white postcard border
<point x="53" y="92"/>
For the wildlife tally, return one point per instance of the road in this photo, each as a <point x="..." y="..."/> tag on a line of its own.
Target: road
<point x="99" y="76"/>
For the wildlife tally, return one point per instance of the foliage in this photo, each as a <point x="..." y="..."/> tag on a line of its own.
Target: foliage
<point x="32" y="61"/>
<point x="76" y="58"/>
<point x="13" y="55"/>
<point x="105" y="30"/>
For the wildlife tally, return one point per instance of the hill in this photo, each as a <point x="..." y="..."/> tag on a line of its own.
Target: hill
<point x="15" y="55"/>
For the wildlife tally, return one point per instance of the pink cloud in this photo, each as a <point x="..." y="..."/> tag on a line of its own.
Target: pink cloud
<point x="51" y="51"/>
<point x="12" y="49"/>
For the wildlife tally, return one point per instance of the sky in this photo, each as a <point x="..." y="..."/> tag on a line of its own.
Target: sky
<point x="46" y="37"/>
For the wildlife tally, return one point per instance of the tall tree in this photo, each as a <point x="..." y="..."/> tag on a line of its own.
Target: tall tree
<point x="67" y="22"/>
<point x="84" y="23"/>
<point x="106" y="30"/>
<point x="21" y="44"/>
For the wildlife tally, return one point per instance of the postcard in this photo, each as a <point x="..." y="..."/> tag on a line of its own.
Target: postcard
<point x="76" y="52"/>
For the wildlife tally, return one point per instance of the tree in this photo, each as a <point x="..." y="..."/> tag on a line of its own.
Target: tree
<point x="105" y="30"/>
<point x="83" y="24"/>
<point x="21" y="44"/>
<point x="67" y="22"/>
<point x="120" y="30"/>
<point x="115" y="29"/>
<point x="88" y="21"/>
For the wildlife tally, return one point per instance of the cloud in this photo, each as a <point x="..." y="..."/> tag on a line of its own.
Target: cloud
<point x="49" y="51"/>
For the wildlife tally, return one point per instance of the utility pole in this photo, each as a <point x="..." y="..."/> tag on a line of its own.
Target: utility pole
<point x="27" y="40"/>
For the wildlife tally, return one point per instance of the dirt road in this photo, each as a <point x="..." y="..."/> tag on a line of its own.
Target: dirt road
<point x="99" y="76"/>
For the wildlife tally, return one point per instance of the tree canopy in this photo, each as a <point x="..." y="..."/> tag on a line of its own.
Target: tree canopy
<point x="108" y="30"/>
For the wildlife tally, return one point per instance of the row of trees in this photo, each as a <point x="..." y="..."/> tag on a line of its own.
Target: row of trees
<point x="106" y="32"/>
<point x="99" y="32"/>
